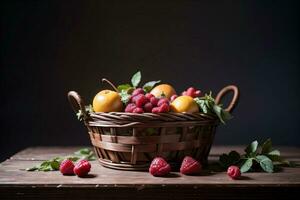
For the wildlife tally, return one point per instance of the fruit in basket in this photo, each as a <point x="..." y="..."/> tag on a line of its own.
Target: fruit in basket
<point x="190" y="166"/>
<point x="82" y="168"/>
<point x="163" y="89"/>
<point x="173" y="97"/>
<point x="184" y="104"/>
<point x="159" y="167"/>
<point x="107" y="101"/>
<point x="233" y="172"/>
<point x="192" y="92"/>
<point x="66" y="167"/>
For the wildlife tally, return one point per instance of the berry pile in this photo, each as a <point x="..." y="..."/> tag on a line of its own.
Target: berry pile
<point x="192" y="92"/>
<point x="141" y="102"/>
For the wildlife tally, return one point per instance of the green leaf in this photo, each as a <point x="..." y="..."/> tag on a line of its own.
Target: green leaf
<point x="136" y="79"/>
<point x="55" y="165"/>
<point x="246" y="166"/>
<point x="234" y="156"/>
<point x="124" y="87"/>
<point x="203" y="104"/>
<point x="32" y="168"/>
<point x="266" y="147"/>
<point x="231" y="159"/>
<point x="226" y="115"/>
<point x="224" y="160"/>
<point x="265" y="163"/>
<point x="125" y="97"/>
<point x="89" y="109"/>
<point x="218" y="110"/>
<point x="252" y="148"/>
<point x="83" y="151"/>
<point x="274" y="152"/>
<point x="149" y="85"/>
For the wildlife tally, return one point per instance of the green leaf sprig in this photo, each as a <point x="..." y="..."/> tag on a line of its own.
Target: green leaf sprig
<point x="88" y="109"/>
<point x="53" y="164"/>
<point x="256" y="157"/>
<point x="208" y="105"/>
<point x="125" y="90"/>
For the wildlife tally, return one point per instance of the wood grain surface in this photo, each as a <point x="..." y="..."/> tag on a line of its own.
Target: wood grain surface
<point x="15" y="182"/>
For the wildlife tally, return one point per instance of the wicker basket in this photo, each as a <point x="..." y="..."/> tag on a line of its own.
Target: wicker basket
<point x="130" y="141"/>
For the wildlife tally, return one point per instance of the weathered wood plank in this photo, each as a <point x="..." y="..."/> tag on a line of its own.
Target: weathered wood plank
<point x="104" y="183"/>
<point x="11" y="175"/>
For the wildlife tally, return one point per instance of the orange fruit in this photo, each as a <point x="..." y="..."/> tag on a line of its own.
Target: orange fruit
<point x="184" y="104"/>
<point x="165" y="89"/>
<point x="107" y="101"/>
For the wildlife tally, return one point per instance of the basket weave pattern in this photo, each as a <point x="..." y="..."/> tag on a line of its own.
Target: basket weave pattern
<point x="130" y="140"/>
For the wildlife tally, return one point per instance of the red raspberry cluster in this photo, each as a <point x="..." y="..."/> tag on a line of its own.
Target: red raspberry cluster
<point x="192" y="92"/>
<point x="140" y="102"/>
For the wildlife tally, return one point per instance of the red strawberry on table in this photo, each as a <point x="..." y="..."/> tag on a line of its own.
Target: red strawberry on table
<point x="190" y="166"/>
<point x="66" y="167"/>
<point x="159" y="167"/>
<point x="82" y="168"/>
<point x="234" y="172"/>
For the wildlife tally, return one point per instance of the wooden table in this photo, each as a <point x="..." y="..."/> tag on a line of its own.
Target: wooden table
<point x="104" y="183"/>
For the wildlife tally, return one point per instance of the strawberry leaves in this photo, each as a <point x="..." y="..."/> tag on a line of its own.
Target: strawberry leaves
<point x="53" y="164"/>
<point x="208" y="106"/>
<point x="256" y="157"/>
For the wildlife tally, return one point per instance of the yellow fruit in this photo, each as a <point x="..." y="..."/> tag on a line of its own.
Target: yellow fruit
<point x="166" y="89"/>
<point x="184" y="104"/>
<point x="107" y="101"/>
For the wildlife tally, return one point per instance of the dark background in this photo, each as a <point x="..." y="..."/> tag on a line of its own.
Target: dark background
<point x="51" y="47"/>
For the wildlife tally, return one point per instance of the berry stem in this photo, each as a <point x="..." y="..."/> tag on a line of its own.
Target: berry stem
<point x="110" y="83"/>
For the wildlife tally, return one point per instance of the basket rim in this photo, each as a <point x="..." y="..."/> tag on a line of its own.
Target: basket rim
<point x="123" y="119"/>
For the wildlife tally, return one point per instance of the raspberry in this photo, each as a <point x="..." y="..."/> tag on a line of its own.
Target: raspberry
<point x="137" y="91"/>
<point x="154" y="101"/>
<point x="190" y="166"/>
<point x="234" y="172"/>
<point x="138" y="110"/>
<point x="164" y="108"/>
<point x="197" y="93"/>
<point x="155" y="110"/>
<point x="190" y="91"/>
<point x="148" y="107"/>
<point x="82" y="168"/>
<point x="149" y="96"/>
<point x="162" y="101"/>
<point x="130" y="107"/>
<point x="159" y="167"/>
<point x="173" y="97"/>
<point x="66" y="167"/>
<point x="139" y="100"/>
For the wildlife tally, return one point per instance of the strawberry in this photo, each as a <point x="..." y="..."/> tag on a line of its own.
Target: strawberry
<point x="82" y="168"/>
<point x="190" y="166"/>
<point x="234" y="172"/>
<point x="66" y="167"/>
<point x="159" y="167"/>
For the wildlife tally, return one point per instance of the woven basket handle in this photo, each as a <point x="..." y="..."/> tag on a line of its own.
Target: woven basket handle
<point x="234" y="100"/>
<point x="77" y="103"/>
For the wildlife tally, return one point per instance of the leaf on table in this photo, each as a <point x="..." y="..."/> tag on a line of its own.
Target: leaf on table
<point x="252" y="148"/>
<point x="246" y="166"/>
<point x="265" y="163"/>
<point x="266" y="146"/>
